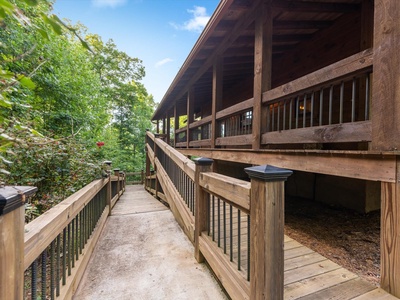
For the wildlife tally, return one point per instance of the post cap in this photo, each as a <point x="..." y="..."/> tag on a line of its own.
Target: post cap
<point x="268" y="173"/>
<point x="203" y="161"/>
<point x="12" y="197"/>
<point x="107" y="162"/>
<point x="116" y="170"/>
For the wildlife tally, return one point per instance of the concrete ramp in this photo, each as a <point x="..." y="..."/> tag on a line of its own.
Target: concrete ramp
<point x="143" y="254"/>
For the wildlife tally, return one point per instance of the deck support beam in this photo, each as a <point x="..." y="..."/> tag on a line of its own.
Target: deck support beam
<point x="390" y="235"/>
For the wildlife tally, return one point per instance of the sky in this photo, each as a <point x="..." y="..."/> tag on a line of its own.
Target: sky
<point x="159" y="32"/>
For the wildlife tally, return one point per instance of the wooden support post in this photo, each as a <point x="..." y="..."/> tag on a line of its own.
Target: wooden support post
<point x="262" y="68"/>
<point x="168" y="138"/>
<point x="201" y="209"/>
<point x="190" y="114"/>
<point x="147" y="174"/>
<point x="385" y="104"/>
<point x="12" y="222"/>
<point x="164" y="126"/>
<point x="176" y="124"/>
<point x="390" y="235"/>
<point x="109" y="194"/>
<point x="266" y="229"/>
<point x="116" y="173"/>
<point x="156" y="183"/>
<point x="216" y="96"/>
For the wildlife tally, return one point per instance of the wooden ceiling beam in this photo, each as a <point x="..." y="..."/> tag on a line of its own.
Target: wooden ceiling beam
<point x="317" y="7"/>
<point x="302" y="24"/>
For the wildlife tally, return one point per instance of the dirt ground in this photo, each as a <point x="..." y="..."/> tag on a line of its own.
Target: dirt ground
<point x="346" y="237"/>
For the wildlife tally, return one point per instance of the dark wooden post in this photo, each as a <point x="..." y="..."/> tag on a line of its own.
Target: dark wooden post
<point x="176" y="124"/>
<point x="116" y="173"/>
<point x="190" y="114"/>
<point x="168" y="137"/>
<point x="216" y="96"/>
<point x="266" y="228"/>
<point x="262" y="67"/>
<point x="200" y="225"/>
<point x="12" y="222"/>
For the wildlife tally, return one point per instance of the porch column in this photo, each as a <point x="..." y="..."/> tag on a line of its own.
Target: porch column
<point x="385" y="118"/>
<point x="167" y="140"/>
<point x="176" y="124"/>
<point x="216" y="96"/>
<point x="190" y="114"/>
<point x="262" y="67"/>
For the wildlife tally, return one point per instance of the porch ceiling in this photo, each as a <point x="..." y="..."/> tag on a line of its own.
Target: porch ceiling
<point x="230" y="34"/>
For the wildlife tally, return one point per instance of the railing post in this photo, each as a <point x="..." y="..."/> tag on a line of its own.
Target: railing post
<point x="266" y="229"/>
<point x="116" y="173"/>
<point x="201" y="209"/>
<point x="12" y="222"/>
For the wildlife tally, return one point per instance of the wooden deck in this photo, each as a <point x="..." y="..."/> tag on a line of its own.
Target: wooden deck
<point x="308" y="275"/>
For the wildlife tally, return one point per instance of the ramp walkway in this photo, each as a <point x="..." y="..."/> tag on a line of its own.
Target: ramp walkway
<point x="143" y="254"/>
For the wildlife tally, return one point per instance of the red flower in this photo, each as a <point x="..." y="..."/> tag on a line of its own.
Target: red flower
<point x="100" y="144"/>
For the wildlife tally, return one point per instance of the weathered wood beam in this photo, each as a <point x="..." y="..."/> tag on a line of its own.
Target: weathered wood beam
<point x="190" y="114"/>
<point x="302" y="24"/>
<point x="360" y="165"/>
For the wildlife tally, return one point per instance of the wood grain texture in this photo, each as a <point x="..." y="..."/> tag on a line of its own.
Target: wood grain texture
<point x="234" y="109"/>
<point x="385" y="105"/>
<point x="43" y="230"/>
<point x="361" y="165"/>
<point x="235" y="191"/>
<point x="231" y="279"/>
<point x="235" y="140"/>
<point x="12" y="254"/>
<point x="338" y="133"/>
<point x="335" y="72"/>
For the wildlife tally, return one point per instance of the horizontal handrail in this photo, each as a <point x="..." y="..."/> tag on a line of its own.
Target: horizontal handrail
<point x="182" y="161"/>
<point x="335" y="73"/>
<point x="233" y="190"/>
<point x="234" y="109"/>
<point x="43" y="230"/>
<point x="183" y="129"/>
<point x="201" y="122"/>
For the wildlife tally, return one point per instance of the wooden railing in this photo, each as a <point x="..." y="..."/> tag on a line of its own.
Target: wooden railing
<point x="331" y="105"/>
<point x="135" y="177"/>
<point x="55" y="247"/>
<point x="235" y="225"/>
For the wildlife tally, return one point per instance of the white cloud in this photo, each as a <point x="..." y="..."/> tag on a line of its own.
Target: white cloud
<point x="108" y="3"/>
<point x="197" y="22"/>
<point x="163" y="62"/>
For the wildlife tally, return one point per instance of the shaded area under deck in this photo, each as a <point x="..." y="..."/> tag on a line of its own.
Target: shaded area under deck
<point x="143" y="254"/>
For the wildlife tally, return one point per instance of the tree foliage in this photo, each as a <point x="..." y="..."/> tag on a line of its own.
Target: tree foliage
<point x="62" y="90"/>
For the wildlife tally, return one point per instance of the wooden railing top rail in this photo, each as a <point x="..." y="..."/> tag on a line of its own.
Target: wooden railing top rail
<point x="181" y="160"/>
<point x="183" y="129"/>
<point x="234" y="109"/>
<point x="233" y="190"/>
<point x="44" y="229"/>
<point x="203" y="121"/>
<point x="337" y="71"/>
